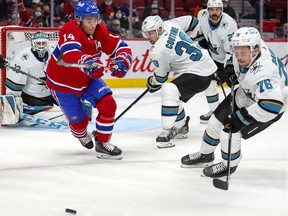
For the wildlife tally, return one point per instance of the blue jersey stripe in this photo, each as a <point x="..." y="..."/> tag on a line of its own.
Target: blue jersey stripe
<point x="271" y="106"/>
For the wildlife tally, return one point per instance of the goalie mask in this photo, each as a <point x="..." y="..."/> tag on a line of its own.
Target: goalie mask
<point x="39" y="44"/>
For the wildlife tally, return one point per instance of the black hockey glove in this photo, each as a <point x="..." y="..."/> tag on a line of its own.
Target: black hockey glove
<point x="151" y="86"/>
<point x="226" y="74"/>
<point x="3" y="62"/>
<point x="238" y="120"/>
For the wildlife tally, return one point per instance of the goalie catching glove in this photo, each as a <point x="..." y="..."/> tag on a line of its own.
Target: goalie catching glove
<point x="94" y="72"/>
<point x="3" y="62"/>
<point x="151" y="86"/>
<point x="120" y="65"/>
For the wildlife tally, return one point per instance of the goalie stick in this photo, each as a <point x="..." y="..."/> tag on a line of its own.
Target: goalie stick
<point x="218" y="183"/>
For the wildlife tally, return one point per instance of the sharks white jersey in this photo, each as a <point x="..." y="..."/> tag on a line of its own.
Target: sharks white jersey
<point x="218" y="37"/>
<point x="263" y="87"/>
<point x="27" y="62"/>
<point x="175" y="51"/>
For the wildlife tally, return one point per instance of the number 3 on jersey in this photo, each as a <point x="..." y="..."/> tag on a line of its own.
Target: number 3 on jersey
<point x="185" y="44"/>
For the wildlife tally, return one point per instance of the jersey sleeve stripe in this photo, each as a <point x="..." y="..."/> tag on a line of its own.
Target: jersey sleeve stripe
<point x="271" y="106"/>
<point x="13" y="86"/>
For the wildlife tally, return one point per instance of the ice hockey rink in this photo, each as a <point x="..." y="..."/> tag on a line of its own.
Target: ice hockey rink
<point x="43" y="171"/>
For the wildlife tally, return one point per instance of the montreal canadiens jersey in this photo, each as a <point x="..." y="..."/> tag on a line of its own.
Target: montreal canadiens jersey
<point x="219" y="38"/>
<point x="175" y="51"/>
<point x="26" y="61"/>
<point x="74" y="46"/>
<point x="263" y="87"/>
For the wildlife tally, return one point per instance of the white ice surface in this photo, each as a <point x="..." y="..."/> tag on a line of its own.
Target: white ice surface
<point x="45" y="171"/>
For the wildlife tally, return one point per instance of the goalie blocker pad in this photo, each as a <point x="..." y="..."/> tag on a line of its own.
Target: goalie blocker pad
<point x="11" y="108"/>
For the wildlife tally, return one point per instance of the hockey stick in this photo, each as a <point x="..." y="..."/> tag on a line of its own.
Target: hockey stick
<point x="5" y="63"/>
<point x="218" y="183"/>
<point x="94" y="65"/>
<point x="224" y="93"/>
<point x="134" y="102"/>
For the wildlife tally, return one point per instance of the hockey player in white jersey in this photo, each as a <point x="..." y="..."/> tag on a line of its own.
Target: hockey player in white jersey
<point x="33" y="61"/>
<point x="260" y="100"/>
<point x="217" y="28"/>
<point x="192" y="67"/>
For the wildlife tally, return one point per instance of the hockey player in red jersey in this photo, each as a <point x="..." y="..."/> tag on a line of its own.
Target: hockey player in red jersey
<point x="81" y="43"/>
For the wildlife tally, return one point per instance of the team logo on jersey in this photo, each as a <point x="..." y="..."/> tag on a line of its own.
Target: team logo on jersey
<point x="224" y="24"/>
<point x="255" y="68"/>
<point x="24" y="57"/>
<point x="155" y="62"/>
<point x="204" y="14"/>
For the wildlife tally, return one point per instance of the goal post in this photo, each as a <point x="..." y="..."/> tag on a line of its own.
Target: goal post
<point x="14" y="38"/>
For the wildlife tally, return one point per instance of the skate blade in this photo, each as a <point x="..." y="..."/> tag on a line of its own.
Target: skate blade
<point x="201" y="165"/>
<point x="181" y="136"/>
<point x="204" y="121"/>
<point x="165" y="145"/>
<point x="108" y="157"/>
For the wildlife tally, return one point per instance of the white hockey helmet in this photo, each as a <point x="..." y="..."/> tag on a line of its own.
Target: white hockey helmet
<point x="152" y="23"/>
<point x="247" y="36"/>
<point x="39" y="43"/>
<point x="215" y="3"/>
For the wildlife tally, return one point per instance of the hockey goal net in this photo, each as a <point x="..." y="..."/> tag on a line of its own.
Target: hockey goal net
<point x="13" y="39"/>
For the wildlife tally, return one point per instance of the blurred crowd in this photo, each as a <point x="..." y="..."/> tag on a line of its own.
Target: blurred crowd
<point x="115" y="13"/>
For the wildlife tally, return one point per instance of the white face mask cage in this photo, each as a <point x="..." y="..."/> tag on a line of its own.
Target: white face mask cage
<point x="39" y="43"/>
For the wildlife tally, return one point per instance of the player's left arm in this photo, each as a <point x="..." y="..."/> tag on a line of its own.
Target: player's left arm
<point x="116" y="48"/>
<point x="269" y="99"/>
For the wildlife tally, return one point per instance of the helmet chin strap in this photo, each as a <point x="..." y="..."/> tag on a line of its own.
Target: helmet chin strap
<point x="252" y="58"/>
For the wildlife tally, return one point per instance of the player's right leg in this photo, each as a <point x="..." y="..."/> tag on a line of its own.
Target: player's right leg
<point x="210" y="140"/>
<point x="75" y="113"/>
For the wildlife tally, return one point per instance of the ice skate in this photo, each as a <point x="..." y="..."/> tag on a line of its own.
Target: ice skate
<point x="218" y="170"/>
<point x="205" y="118"/>
<point x="197" y="160"/>
<point x="86" y="141"/>
<point x="164" y="139"/>
<point x="108" y="151"/>
<point x="182" y="133"/>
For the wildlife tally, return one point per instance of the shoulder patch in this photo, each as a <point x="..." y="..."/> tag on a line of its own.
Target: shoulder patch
<point x="156" y="63"/>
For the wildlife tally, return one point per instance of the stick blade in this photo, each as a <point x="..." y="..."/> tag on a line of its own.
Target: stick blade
<point x="223" y="185"/>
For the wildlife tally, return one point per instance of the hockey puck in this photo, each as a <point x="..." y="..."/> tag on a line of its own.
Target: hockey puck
<point x="71" y="211"/>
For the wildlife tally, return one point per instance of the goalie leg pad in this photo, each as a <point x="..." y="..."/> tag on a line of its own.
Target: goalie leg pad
<point x="11" y="107"/>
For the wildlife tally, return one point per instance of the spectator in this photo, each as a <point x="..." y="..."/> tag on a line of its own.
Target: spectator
<point x="38" y="16"/>
<point x="6" y="10"/>
<point x="25" y="17"/>
<point x="228" y="9"/>
<point x="125" y="8"/>
<point x="153" y="7"/>
<point x="136" y="24"/>
<point x="119" y="15"/>
<point x="203" y="5"/>
<point x="117" y="29"/>
<point x="68" y="9"/>
<point x="107" y="11"/>
<point x="46" y="15"/>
